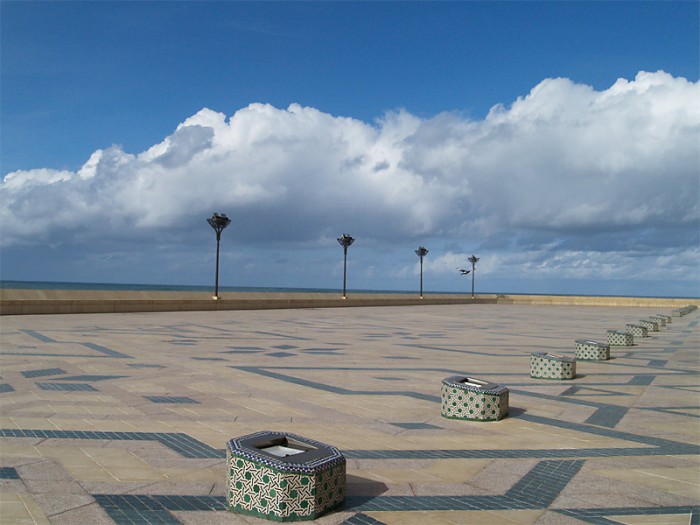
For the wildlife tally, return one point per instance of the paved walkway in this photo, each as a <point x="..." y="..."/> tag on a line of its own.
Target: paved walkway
<point x="123" y="418"/>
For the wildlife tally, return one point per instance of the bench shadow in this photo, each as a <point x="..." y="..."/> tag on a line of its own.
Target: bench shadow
<point x="359" y="487"/>
<point x="515" y="411"/>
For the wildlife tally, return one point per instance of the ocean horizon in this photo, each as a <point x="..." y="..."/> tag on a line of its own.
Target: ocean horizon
<point x="65" y="285"/>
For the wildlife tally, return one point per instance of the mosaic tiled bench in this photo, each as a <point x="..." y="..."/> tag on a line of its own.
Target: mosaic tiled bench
<point x="284" y="477"/>
<point x="652" y="326"/>
<point x="685" y="310"/>
<point x="666" y="318"/>
<point x="620" y="338"/>
<point x="551" y="366"/>
<point x="638" y="330"/>
<point x="587" y="350"/>
<point x="473" y="399"/>
<point x="659" y="319"/>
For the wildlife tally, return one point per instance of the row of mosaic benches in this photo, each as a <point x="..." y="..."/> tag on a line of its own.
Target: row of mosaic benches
<point x="685" y="310"/>
<point x="286" y="477"/>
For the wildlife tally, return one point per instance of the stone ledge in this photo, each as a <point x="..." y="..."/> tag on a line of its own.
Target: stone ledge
<point x="34" y="302"/>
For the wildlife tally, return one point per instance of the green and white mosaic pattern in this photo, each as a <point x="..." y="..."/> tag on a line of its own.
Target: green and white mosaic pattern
<point x="593" y="350"/>
<point x="473" y="400"/>
<point x="551" y="366"/>
<point x="282" y="491"/>
<point x="638" y="330"/>
<point x="661" y="319"/>
<point x="620" y="338"/>
<point x="652" y="326"/>
<point x="666" y="318"/>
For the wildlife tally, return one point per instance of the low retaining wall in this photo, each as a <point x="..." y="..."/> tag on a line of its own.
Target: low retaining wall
<point x="33" y="302"/>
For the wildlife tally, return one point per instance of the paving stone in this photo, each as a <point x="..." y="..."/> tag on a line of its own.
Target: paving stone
<point x="147" y="441"/>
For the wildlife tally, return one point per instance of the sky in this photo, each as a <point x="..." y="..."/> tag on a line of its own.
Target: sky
<point x="558" y="141"/>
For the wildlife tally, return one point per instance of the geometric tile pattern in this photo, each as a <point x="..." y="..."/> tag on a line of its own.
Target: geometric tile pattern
<point x="181" y="443"/>
<point x="661" y="319"/>
<point x="67" y="387"/>
<point x="43" y="372"/>
<point x="606" y="516"/>
<point x="473" y="400"/>
<point x="652" y="326"/>
<point x="171" y="399"/>
<point x="284" y="489"/>
<point x="536" y="490"/>
<point x="266" y="492"/>
<point x="4" y="388"/>
<point x="86" y="377"/>
<point x="619" y="447"/>
<point x="620" y="338"/>
<point x="551" y="366"/>
<point x="595" y="351"/>
<point x="638" y="330"/>
<point x="8" y="473"/>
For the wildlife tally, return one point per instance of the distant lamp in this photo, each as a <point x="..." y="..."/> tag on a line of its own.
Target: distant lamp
<point x="345" y="240"/>
<point x="421" y="252"/>
<point x="473" y="259"/>
<point x="218" y="221"/>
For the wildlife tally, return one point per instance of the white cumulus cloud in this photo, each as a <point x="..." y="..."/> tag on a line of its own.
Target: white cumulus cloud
<point x="561" y="165"/>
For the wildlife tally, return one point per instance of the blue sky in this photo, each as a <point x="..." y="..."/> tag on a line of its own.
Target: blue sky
<point x="556" y="140"/>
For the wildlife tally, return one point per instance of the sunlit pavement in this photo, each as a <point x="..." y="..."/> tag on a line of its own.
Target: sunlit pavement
<point x="124" y="418"/>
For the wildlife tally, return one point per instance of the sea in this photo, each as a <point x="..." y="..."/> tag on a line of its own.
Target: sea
<point x="52" y="285"/>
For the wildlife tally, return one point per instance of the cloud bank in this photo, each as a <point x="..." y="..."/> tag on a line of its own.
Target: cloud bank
<point x="562" y="171"/>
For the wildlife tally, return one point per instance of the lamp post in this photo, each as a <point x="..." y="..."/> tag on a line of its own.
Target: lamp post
<point x="421" y="252"/>
<point x="218" y="221"/>
<point x="473" y="259"/>
<point x="345" y="240"/>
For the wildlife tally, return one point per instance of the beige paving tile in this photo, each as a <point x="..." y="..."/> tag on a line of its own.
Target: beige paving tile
<point x="660" y="519"/>
<point x="675" y="481"/>
<point x="493" y="340"/>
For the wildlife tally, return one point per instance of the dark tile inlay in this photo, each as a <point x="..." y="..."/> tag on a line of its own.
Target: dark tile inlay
<point x="43" y="372"/>
<point x="4" y="388"/>
<point x="183" y="444"/>
<point x="8" y="473"/>
<point x="537" y="489"/>
<point x="67" y="387"/>
<point x="86" y="378"/>
<point x="172" y="399"/>
<point x="599" y="516"/>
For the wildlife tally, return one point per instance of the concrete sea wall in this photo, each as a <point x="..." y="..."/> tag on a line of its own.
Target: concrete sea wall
<point x="33" y="302"/>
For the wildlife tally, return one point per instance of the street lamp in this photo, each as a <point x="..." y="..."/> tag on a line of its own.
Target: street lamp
<point x="218" y="221"/>
<point x="421" y="252"/>
<point x="473" y="259"/>
<point x="345" y="240"/>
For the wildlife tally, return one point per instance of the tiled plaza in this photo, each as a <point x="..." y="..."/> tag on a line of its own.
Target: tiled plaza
<point x="124" y="418"/>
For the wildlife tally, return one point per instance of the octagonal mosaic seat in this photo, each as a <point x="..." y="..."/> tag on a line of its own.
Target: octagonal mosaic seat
<point x="659" y="319"/>
<point x="284" y="477"/>
<point x="544" y="365"/>
<point x="638" y="330"/>
<point x="620" y="338"/>
<point x="652" y="326"/>
<point x="685" y="310"/>
<point x="587" y="350"/>
<point x="473" y="399"/>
